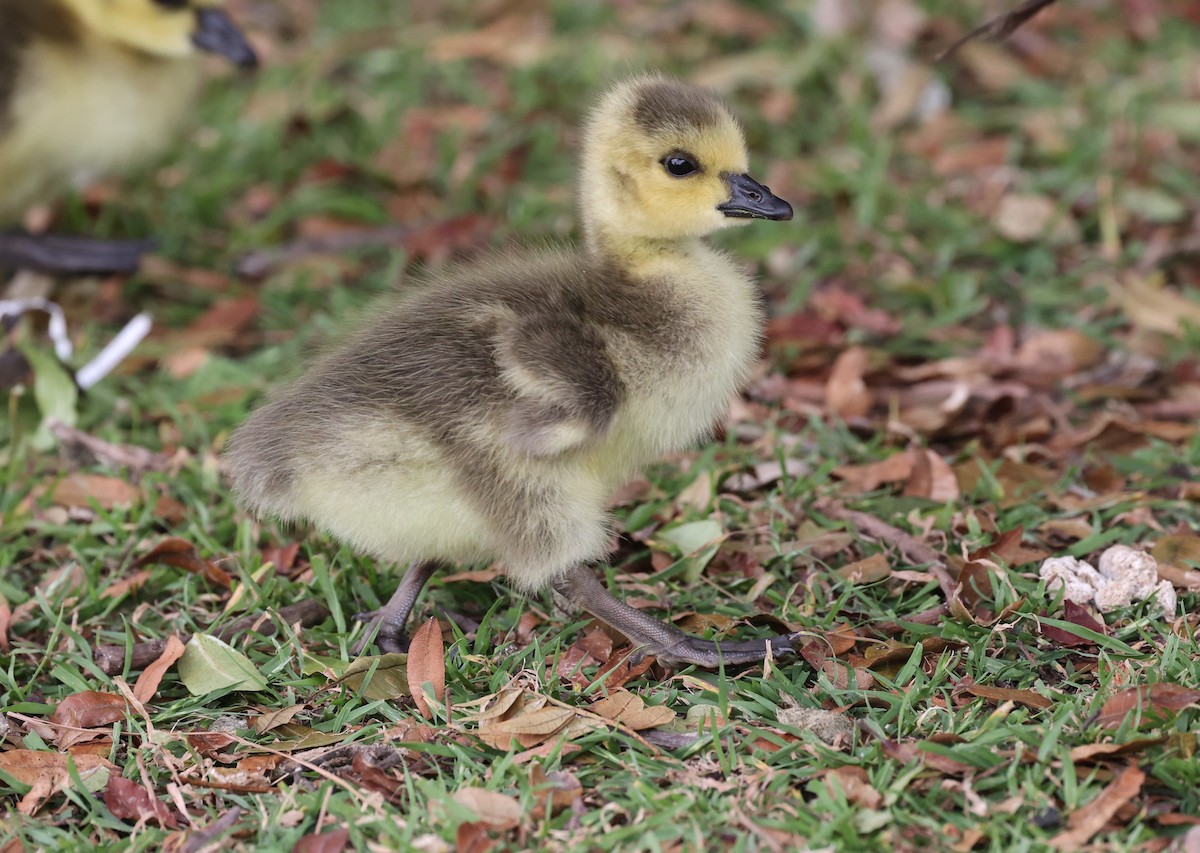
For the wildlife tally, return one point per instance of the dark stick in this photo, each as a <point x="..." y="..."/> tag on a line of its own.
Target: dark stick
<point x="1001" y="27"/>
<point x="111" y="659"/>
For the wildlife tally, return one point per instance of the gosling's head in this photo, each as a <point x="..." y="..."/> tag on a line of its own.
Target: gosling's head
<point x="663" y="160"/>
<point x="169" y="29"/>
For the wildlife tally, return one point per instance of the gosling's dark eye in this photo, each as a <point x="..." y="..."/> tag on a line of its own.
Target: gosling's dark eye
<point x="679" y="166"/>
<point x="172" y="4"/>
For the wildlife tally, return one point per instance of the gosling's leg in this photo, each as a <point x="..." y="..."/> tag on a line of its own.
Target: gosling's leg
<point x="70" y="255"/>
<point x="392" y="617"/>
<point x="665" y="642"/>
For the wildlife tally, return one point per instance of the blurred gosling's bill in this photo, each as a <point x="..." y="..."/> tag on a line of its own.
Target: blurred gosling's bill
<point x="491" y="414"/>
<point x="91" y="88"/>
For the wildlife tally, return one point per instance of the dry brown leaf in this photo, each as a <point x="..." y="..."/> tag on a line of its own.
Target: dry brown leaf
<point x="1177" y="548"/>
<point x="867" y="570"/>
<point x="628" y="709"/>
<point x="867" y="478"/>
<point x="89" y="709"/>
<point x="1091" y="817"/>
<point x="5" y="621"/>
<point x="334" y="841"/>
<point x="846" y="392"/>
<point x="130" y="801"/>
<point x="560" y="788"/>
<point x="1152" y="702"/>
<point x="183" y="555"/>
<point x="854" y="785"/>
<point x="1057" y="353"/>
<point x="1008" y="694"/>
<point x="79" y="490"/>
<point x="1091" y="752"/>
<point x="1148" y="304"/>
<point x="427" y="664"/>
<point x="932" y="478"/>
<point x="276" y="718"/>
<point x="147" y="683"/>
<point x="48" y="772"/>
<point x="492" y="807"/>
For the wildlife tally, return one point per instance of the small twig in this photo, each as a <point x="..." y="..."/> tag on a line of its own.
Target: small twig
<point x="111" y="659"/>
<point x="1001" y="27"/>
<point x="226" y="786"/>
<point x="261" y="262"/>
<point x="911" y="547"/>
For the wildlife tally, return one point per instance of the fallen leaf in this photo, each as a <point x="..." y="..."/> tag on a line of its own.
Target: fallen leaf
<point x="183" y="555"/>
<point x="334" y="841"/>
<point x="209" y="665"/>
<point x="147" y="683"/>
<point x="490" y="806"/>
<point x="79" y="490"/>
<point x="128" y="800"/>
<point x="1149" y="304"/>
<point x="1090" y="752"/>
<point x="276" y="718"/>
<point x="560" y="788"/>
<point x="628" y="709"/>
<point x="426" y="664"/>
<point x="89" y="709"/>
<point x="1008" y="694"/>
<point x="1090" y="818"/>
<point x="388" y="681"/>
<point x="1151" y="703"/>
<point x="49" y="772"/>
<point x="867" y="570"/>
<point x="846" y="392"/>
<point x="932" y="478"/>
<point x="853" y="784"/>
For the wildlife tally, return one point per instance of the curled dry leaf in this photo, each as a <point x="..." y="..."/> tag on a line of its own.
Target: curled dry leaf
<point x="183" y="555"/>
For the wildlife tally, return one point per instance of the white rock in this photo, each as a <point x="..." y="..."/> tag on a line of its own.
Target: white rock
<point x="1165" y="595"/>
<point x="1114" y="594"/>
<point x="1139" y="569"/>
<point x="1078" y="579"/>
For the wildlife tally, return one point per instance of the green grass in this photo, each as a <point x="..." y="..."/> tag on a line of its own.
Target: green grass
<point x="875" y="219"/>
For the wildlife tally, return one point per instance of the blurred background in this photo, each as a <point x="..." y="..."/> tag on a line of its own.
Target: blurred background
<point x="985" y="334"/>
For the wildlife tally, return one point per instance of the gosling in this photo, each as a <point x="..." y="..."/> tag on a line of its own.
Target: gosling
<point x="490" y="415"/>
<point x="90" y="88"/>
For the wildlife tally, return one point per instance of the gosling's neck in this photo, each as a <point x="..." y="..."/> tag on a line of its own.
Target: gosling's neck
<point x="639" y="256"/>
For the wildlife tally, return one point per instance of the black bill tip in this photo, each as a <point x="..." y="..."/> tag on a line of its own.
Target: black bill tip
<point x="216" y="33"/>
<point x="748" y="199"/>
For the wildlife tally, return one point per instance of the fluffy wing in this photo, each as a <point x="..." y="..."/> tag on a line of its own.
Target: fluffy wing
<point x="566" y="388"/>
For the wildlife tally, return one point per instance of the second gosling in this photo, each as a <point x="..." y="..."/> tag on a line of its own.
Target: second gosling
<point x="490" y="415"/>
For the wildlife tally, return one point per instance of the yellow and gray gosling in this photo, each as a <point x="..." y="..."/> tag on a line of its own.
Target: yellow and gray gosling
<point x="491" y="415"/>
<point x="90" y="88"/>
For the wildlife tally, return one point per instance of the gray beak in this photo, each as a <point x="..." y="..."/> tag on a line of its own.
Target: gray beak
<point x="216" y="33"/>
<point x="748" y="199"/>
